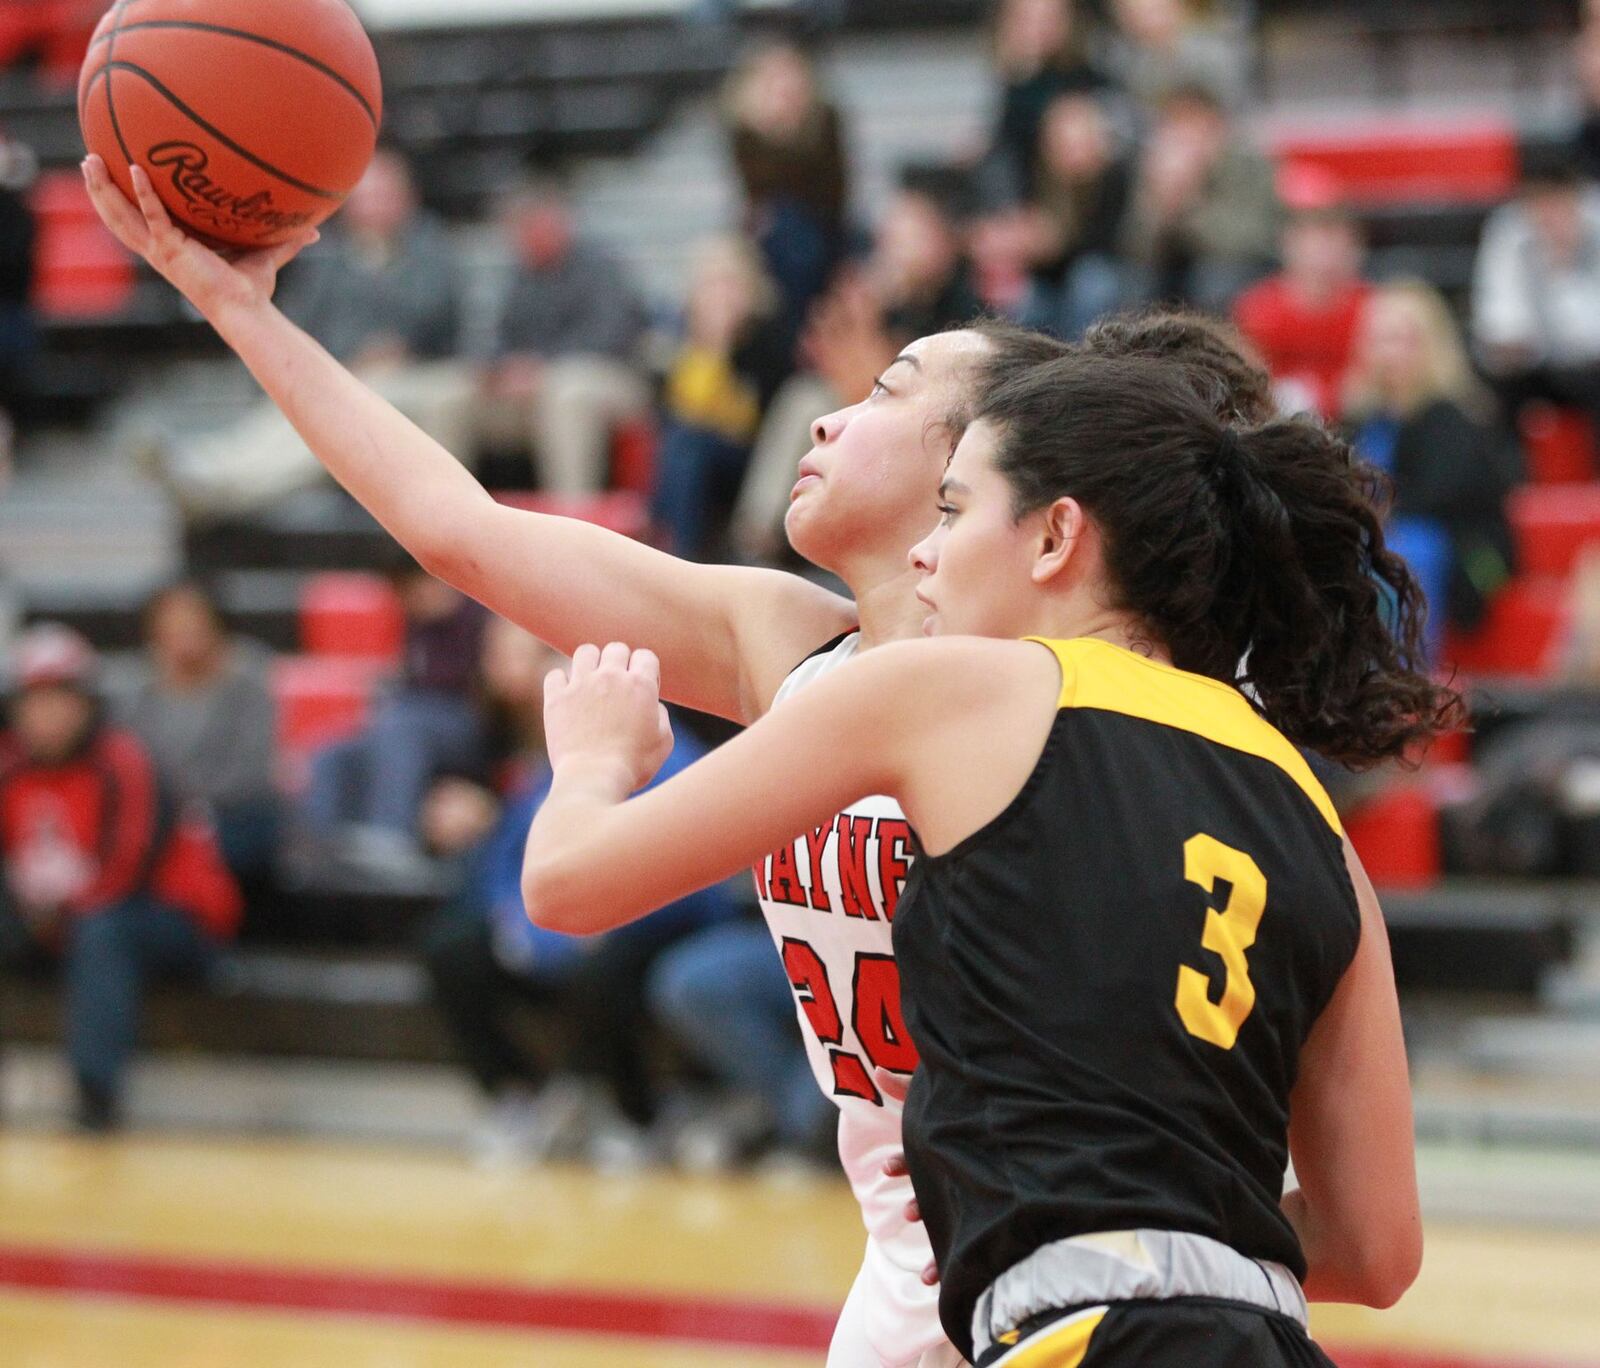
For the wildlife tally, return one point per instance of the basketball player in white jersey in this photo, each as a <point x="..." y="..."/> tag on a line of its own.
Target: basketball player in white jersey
<point x="728" y="638"/>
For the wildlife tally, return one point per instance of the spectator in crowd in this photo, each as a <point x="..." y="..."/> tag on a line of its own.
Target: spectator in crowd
<point x="1040" y="53"/>
<point x="204" y="710"/>
<point x="723" y="994"/>
<point x="735" y="353"/>
<point x="564" y="366"/>
<point x="382" y="292"/>
<point x="788" y="147"/>
<point x="18" y="339"/>
<point x="1303" y="321"/>
<point x="1418" y="414"/>
<point x="1158" y="46"/>
<point x="485" y="957"/>
<point x="101" y="876"/>
<point x="1204" y="219"/>
<point x="1536" y="290"/>
<point x="424" y="724"/>
<point x="917" y="281"/>
<point x="1069" y="231"/>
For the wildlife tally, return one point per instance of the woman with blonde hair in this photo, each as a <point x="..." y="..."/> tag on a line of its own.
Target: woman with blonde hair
<point x="1418" y="413"/>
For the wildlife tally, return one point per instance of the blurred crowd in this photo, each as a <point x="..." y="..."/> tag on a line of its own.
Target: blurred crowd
<point x="138" y="824"/>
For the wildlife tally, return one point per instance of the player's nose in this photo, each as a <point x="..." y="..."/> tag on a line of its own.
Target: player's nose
<point x="828" y="427"/>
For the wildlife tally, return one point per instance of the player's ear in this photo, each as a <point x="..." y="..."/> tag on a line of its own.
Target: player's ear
<point x="1060" y="531"/>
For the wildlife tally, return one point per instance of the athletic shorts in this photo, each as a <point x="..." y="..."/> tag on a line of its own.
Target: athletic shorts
<point x="1189" y="1332"/>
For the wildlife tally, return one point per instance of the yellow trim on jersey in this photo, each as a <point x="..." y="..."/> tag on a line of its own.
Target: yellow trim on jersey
<point x="1062" y="1346"/>
<point x="1097" y="674"/>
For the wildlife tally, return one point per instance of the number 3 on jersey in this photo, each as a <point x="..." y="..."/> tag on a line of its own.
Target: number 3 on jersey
<point x="875" y="1017"/>
<point x="1229" y="933"/>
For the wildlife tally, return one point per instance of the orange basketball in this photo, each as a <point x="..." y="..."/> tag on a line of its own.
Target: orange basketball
<point x="254" y="118"/>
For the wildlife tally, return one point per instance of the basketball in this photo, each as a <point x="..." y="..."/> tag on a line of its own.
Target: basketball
<point x="254" y="118"/>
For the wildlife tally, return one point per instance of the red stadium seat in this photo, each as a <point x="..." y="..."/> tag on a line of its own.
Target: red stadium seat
<point x="352" y="614"/>
<point x="1397" y="837"/>
<point x="633" y="457"/>
<point x="1391" y="162"/>
<point x="1526" y="623"/>
<point x="1553" y="524"/>
<point x="319" y="699"/>
<point x="621" y="510"/>
<point x="1560" y="444"/>
<point x="80" y="270"/>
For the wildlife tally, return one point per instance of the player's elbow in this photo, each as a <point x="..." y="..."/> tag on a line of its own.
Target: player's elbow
<point x="1387" y="1265"/>
<point x="551" y="896"/>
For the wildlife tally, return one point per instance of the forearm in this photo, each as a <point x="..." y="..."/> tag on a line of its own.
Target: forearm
<point x="411" y="484"/>
<point x="565" y="841"/>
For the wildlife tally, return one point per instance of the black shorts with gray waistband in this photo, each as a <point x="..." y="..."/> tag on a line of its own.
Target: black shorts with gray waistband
<point x="1185" y="1332"/>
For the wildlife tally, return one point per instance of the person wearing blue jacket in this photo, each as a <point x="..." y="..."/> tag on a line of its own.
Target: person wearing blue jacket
<point x="486" y="959"/>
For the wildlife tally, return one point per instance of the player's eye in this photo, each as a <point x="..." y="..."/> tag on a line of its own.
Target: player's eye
<point x="878" y="387"/>
<point x="947" y="514"/>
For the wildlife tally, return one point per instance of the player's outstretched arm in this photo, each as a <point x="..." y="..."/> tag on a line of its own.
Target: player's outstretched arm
<point x="726" y="635"/>
<point x="950" y="727"/>
<point x="1350" y="1133"/>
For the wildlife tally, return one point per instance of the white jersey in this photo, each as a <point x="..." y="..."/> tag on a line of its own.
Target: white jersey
<point x="829" y="898"/>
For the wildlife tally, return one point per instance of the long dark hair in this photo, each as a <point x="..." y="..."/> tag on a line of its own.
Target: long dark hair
<point x="1196" y="340"/>
<point x="1210" y="347"/>
<point x="1255" y="556"/>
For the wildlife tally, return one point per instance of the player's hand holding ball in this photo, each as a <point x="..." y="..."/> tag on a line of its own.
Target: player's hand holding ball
<point x="604" y="717"/>
<point x="207" y="280"/>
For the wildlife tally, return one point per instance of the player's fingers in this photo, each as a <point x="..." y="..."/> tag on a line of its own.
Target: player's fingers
<point x="285" y="252"/>
<point x="150" y="205"/>
<point x="930" y="1275"/>
<point x="895" y="1166"/>
<point x="647" y="664"/>
<point x="914" y="1211"/>
<point x="553" y="682"/>
<point x="584" y="661"/>
<point x="115" y="210"/>
<point x="615" y="656"/>
<point x="664" y="722"/>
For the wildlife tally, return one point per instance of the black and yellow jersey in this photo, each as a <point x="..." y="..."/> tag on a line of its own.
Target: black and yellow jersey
<point x="1110" y="983"/>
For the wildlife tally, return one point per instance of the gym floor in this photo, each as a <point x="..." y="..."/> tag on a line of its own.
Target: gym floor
<point x="180" y="1252"/>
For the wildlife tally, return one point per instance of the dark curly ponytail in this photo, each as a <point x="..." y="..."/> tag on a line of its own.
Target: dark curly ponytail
<point x="1255" y="556"/>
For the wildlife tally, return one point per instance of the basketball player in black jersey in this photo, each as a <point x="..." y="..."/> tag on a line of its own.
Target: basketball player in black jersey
<point x="1141" y="963"/>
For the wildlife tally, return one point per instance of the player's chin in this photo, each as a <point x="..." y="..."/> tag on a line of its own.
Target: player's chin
<point x="806" y="526"/>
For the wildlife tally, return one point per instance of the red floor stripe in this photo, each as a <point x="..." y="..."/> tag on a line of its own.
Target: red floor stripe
<point x="689" y="1319"/>
<point x="700" y="1320"/>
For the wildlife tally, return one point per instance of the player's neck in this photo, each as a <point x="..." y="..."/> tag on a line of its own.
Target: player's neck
<point x="887" y="607"/>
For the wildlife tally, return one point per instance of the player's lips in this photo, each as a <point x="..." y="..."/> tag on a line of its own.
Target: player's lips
<point x="933" y="611"/>
<point x="809" y="475"/>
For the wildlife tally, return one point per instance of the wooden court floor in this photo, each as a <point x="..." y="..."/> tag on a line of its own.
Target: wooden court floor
<point x="196" y="1253"/>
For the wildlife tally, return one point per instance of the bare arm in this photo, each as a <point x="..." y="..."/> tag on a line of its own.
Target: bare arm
<point x="954" y="753"/>
<point x="1350" y="1132"/>
<point x="726" y="635"/>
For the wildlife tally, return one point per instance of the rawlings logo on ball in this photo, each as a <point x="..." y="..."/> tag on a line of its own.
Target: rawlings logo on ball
<point x="216" y="204"/>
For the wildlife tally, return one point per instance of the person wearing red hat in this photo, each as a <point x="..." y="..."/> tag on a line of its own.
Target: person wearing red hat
<point x="102" y="874"/>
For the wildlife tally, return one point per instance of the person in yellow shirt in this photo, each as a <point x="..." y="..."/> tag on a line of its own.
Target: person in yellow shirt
<point x="736" y="350"/>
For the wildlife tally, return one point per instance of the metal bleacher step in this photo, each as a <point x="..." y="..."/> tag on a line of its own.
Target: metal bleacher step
<point x="1554" y="1047"/>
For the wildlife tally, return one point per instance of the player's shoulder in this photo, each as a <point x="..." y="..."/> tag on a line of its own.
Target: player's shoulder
<point x="952" y="673"/>
<point x="779" y="620"/>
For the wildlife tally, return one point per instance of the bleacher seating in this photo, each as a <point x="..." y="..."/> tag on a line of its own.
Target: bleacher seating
<point x="1526" y="624"/>
<point x="1553" y="524"/>
<point x="352" y="614"/>
<point x="80" y="270"/>
<point x="1397" y="837"/>
<point x="1559" y="445"/>
<point x="320" y="698"/>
